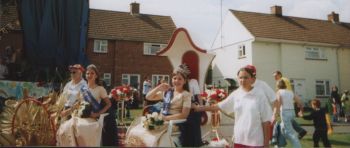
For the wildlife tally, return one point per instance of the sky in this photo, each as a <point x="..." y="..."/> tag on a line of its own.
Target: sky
<point x="202" y="18"/>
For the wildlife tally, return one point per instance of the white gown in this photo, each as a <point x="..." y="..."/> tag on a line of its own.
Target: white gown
<point x="80" y="132"/>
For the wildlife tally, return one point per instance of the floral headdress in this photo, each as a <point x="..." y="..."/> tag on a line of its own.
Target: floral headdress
<point x="183" y="69"/>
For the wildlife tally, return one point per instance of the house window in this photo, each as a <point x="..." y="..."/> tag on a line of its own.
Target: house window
<point x="107" y="78"/>
<point x="131" y="79"/>
<point x="100" y="46"/>
<point x="314" y="53"/>
<point x="322" y="88"/>
<point x="241" y="51"/>
<point x="152" y="48"/>
<point x="156" y="79"/>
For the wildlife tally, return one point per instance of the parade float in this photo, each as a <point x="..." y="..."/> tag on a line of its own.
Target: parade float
<point x="25" y="115"/>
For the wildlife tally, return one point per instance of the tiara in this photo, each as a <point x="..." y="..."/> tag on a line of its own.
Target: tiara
<point x="183" y="69"/>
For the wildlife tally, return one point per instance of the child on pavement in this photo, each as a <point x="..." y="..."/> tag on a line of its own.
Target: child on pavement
<point x="318" y="116"/>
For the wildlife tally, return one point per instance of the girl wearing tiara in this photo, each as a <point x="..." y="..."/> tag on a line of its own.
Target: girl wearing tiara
<point x="176" y="105"/>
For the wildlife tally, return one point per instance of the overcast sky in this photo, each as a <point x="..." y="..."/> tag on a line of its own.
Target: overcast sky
<point x="202" y="18"/>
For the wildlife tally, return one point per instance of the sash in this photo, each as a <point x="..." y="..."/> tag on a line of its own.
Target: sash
<point x="166" y="101"/>
<point x="88" y="97"/>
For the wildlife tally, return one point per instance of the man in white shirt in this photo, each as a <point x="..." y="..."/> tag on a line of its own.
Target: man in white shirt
<point x="269" y="93"/>
<point x="72" y="88"/>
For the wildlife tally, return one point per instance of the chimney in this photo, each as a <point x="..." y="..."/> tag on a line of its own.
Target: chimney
<point x="333" y="17"/>
<point x="276" y="10"/>
<point x="134" y="8"/>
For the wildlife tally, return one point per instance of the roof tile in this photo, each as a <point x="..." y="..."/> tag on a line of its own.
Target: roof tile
<point x="294" y="28"/>
<point x="124" y="26"/>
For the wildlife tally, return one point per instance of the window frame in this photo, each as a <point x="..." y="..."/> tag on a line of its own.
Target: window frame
<point x="157" y="77"/>
<point x="326" y="87"/>
<point x="315" y="53"/>
<point x="99" y="44"/>
<point x="128" y="79"/>
<point x="242" y="52"/>
<point x="107" y="80"/>
<point x="147" y="48"/>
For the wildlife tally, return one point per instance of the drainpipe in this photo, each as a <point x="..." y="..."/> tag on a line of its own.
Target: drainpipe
<point x="338" y="67"/>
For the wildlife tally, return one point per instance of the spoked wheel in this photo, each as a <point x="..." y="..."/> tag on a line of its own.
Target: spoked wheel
<point x="31" y="124"/>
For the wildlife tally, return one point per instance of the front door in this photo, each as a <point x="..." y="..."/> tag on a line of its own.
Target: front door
<point x="191" y="59"/>
<point x="298" y="86"/>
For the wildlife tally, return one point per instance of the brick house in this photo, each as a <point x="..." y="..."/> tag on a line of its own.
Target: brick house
<point x="123" y="45"/>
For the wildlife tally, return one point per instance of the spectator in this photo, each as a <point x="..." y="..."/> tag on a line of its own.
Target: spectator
<point x="145" y="89"/>
<point x="3" y="69"/>
<point x="345" y="104"/>
<point x="278" y="75"/>
<point x="336" y="103"/>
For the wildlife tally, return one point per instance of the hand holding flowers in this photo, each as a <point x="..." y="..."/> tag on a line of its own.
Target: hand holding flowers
<point x="152" y="121"/>
<point x="214" y="95"/>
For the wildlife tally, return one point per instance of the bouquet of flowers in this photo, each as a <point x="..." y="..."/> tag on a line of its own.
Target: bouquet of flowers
<point x="214" y="95"/>
<point x="152" y="121"/>
<point x="122" y="92"/>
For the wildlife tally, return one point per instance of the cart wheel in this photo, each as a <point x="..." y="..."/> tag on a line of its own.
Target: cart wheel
<point x="31" y="124"/>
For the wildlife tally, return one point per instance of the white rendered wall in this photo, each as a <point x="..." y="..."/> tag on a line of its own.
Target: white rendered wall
<point x="344" y="68"/>
<point x="225" y="47"/>
<point x="290" y="60"/>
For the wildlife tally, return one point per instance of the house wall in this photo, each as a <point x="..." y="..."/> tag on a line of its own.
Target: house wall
<point x="290" y="60"/>
<point x="131" y="60"/>
<point x="104" y="61"/>
<point x="225" y="46"/>
<point x="126" y="57"/>
<point x="344" y="68"/>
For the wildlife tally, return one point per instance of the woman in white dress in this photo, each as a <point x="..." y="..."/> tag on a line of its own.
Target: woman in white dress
<point x="85" y="126"/>
<point x="176" y="105"/>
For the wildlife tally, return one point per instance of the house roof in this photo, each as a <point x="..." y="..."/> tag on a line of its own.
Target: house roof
<point x="294" y="28"/>
<point x="124" y="26"/>
<point x="10" y="17"/>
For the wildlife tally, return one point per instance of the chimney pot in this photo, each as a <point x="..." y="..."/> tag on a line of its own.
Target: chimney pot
<point x="134" y="8"/>
<point x="276" y="10"/>
<point x="333" y="17"/>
